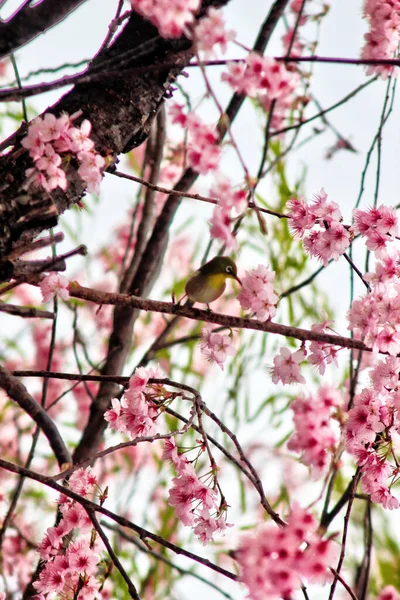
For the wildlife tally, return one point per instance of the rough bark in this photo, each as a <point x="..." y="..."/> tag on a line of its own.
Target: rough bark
<point x="121" y="101"/>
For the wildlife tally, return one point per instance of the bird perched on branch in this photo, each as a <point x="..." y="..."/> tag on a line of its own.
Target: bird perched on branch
<point x="208" y="283"/>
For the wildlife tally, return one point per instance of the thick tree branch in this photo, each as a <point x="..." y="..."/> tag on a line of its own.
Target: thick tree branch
<point x="121" y="110"/>
<point x="18" y="392"/>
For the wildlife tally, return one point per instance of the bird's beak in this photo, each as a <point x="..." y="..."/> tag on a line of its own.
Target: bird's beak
<point x="238" y="280"/>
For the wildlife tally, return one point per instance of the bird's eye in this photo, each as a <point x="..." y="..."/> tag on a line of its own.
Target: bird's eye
<point x="228" y="269"/>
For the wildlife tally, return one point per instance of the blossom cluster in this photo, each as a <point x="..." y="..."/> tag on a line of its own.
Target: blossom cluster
<point x="314" y="437"/>
<point x="274" y="562"/>
<point x="326" y="237"/>
<point x="230" y="204"/>
<point x="136" y="413"/>
<point x="193" y="500"/>
<point x="372" y="428"/>
<point x="215" y="347"/>
<point x="382" y="40"/>
<point x="67" y="571"/>
<point x="203" y="153"/>
<point x="378" y="225"/>
<point x="50" y="137"/>
<point x="375" y="317"/>
<point x="258" y="294"/>
<point x="286" y="367"/>
<point x="267" y="80"/>
<point x="171" y="17"/>
<point x="210" y="32"/>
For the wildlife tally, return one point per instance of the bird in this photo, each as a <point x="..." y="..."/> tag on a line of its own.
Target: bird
<point x="208" y="283"/>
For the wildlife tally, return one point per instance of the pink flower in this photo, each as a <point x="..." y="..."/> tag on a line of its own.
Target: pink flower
<point x="379" y="225"/>
<point x="211" y="31"/>
<point x="328" y="238"/>
<point x="266" y="80"/>
<point x="383" y="38"/>
<point x="286" y="367"/>
<point x="49" y="136"/>
<point x="388" y="593"/>
<point x="54" y="284"/>
<point x="136" y="413"/>
<point x="171" y="17"/>
<point x="221" y="227"/>
<point x="82" y="558"/>
<point x="258" y="294"/>
<point x="273" y="562"/>
<point x="315" y="437"/>
<point x="216" y="346"/>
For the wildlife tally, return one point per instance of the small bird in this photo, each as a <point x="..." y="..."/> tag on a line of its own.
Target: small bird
<point x="208" y="283"/>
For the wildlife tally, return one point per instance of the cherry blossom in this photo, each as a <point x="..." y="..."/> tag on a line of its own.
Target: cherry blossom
<point x="64" y="570"/>
<point x="47" y="138"/>
<point x="216" y="346"/>
<point x="171" y="17"/>
<point x="265" y="79"/>
<point x="382" y="40"/>
<point x="211" y="31"/>
<point x="192" y="499"/>
<point x="273" y="562"/>
<point x="203" y="153"/>
<point x="328" y="238"/>
<point x="389" y="593"/>
<point x="231" y="203"/>
<point x="315" y="437"/>
<point x="258" y="294"/>
<point x="52" y="285"/>
<point x="286" y="367"/>
<point x="378" y="225"/>
<point x="136" y="413"/>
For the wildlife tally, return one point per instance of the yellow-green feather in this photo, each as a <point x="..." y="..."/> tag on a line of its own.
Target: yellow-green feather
<point x="205" y="288"/>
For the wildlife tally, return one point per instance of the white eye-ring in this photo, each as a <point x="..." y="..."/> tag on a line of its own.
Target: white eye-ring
<point x="228" y="269"/>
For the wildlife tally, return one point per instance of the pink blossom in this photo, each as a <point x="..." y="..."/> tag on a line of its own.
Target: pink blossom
<point x="221" y="227"/>
<point x="54" y="284"/>
<point x="258" y="294"/>
<point x="382" y="40"/>
<point x="171" y="17"/>
<point x="286" y="367"/>
<point x="327" y="238"/>
<point x="322" y="354"/>
<point x="379" y="225"/>
<point x="211" y="31"/>
<point x="388" y="593"/>
<point x="203" y="152"/>
<point x="267" y="80"/>
<point x="216" y="346"/>
<point x="136" y="413"/>
<point x="82" y="558"/>
<point x="315" y="437"/>
<point x="47" y="138"/>
<point x="206" y="526"/>
<point x="273" y="562"/>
